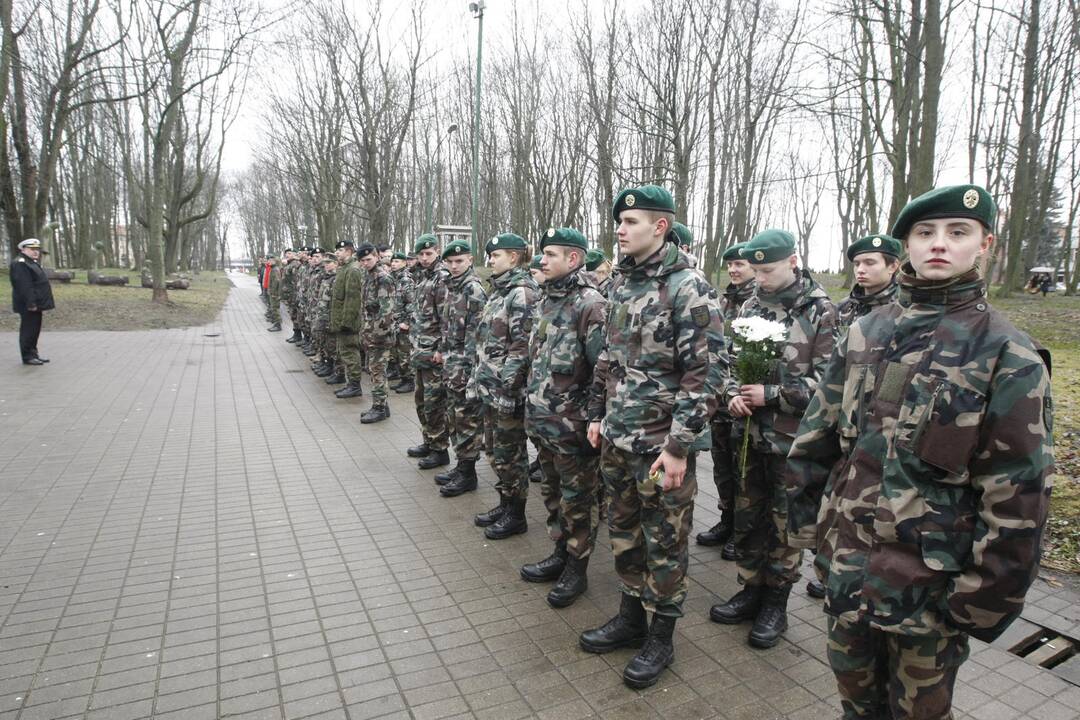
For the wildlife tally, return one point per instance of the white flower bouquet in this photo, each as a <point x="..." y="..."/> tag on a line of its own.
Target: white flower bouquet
<point x="757" y="344"/>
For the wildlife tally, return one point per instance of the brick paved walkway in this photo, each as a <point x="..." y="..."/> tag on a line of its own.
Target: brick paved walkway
<point x="191" y="526"/>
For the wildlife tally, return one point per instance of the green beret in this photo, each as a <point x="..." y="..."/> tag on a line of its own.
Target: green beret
<point x="594" y="259"/>
<point x="955" y="201"/>
<point x="270" y="255"/>
<point x="685" y="237"/>
<point x="875" y="243"/>
<point x="732" y="253"/>
<point x="535" y="264"/>
<point x="565" y="237"/>
<point x="458" y="247"/>
<point x="505" y="241"/>
<point x="427" y="240"/>
<point x="769" y="246"/>
<point x="646" y="197"/>
<point x="398" y="256"/>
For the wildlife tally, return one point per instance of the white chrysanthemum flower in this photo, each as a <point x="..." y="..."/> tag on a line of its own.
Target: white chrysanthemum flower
<point x="758" y="329"/>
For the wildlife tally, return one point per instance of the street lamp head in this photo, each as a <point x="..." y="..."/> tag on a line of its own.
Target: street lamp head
<point x="477" y="8"/>
<point x="451" y="129"/>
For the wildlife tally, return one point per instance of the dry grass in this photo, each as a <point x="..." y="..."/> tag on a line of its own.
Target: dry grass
<point x="95" y="307"/>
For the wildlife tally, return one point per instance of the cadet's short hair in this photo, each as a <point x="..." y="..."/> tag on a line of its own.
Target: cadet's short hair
<point x="655" y="215"/>
<point x="382" y="248"/>
<point x="567" y="249"/>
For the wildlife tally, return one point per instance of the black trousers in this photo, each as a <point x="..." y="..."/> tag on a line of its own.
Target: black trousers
<point x="29" y="330"/>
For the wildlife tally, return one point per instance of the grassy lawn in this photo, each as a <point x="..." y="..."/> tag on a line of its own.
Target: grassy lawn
<point x="97" y="307"/>
<point x="1054" y="322"/>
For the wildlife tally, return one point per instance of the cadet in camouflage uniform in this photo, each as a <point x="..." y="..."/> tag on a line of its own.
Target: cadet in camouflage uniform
<point x="309" y="299"/>
<point x="536" y="269"/>
<point x="274" y="292"/>
<point x="345" y="316"/>
<point x="426" y="338"/>
<point x="403" y="313"/>
<point x="598" y="264"/>
<point x="652" y="395"/>
<point x="921" y="471"/>
<point x="288" y="291"/>
<point x="876" y="259"/>
<point x="725" y="468"/>
<point x="565" y="347"/>
<point x="465" y="300"/>
<point x="498" y="380"/>
<point x="769" y="565"/>
<point x="324" y="342"/>
<point x="376" y="327"/>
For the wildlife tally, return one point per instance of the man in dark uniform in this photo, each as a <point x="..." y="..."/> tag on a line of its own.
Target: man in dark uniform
<point x="31" y="295"/>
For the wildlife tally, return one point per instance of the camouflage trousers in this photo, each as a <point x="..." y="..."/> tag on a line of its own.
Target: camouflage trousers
<point x="888" y="675"/>
<point x="348" y="349"/>
<point x="724" y="462"/>
<point x="430" y="399"/>
<point x="508" y="452"/>
<point x="377" y="358"/>
<point x="275" y="309"/>
<point x="463" y="419"/>
<point x="649" y="528"/>
<point x="761" y="523"/>
<point x="399" y="355"/>
<point x="569" y="489"/>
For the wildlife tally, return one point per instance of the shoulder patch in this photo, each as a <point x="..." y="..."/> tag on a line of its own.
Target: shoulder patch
<point x="700" y="315"/>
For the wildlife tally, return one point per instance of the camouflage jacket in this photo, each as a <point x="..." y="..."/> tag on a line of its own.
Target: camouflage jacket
<point x="858" y="303"/>
<point x="404" y="300"/>
<point x="810" y="317"/>
<point x="274" y="286"/>
<point x="425" y="333"/>
<point x="326" y="294"/>
<point x="731" y="302"/>
<point x="345" y="303"/>
<point x="378" y="299"/>
<point x="502" y="341"/>
<point x="458" y="319"/>
<point x="565" y="346"/>
<point x="654" y="384"/>
<point x="921" y="472"/>
<point x="288" y="281"/>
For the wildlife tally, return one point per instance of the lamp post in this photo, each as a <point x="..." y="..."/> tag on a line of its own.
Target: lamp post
<point x="477" y="9"/>
<point x="430" y="221"/>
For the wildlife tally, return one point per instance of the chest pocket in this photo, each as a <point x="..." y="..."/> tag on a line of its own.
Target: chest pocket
<point x="942" y="429"/>
<point x="652" y="339"/>
<point x="561" y="351"/>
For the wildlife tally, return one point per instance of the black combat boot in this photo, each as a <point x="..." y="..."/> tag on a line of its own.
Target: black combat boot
<point x="351" y="390"/>
<point x="377" y="413"/>
<point x="731" y="551"/>
<point x="488" y="518"/>
<point x="418" y="451"/>
<point x="535" y="473"/>
<point x="309" y="351"/>
<point x="336" y="377"/>
<point x="512" y="522"/>
<point x="548" y="569"/>
<point x="448" y="476"/>
<point x="276" y="327"/>
<point x="627" y="629"/>
<point x="434" y="459"/>
<point x="325" y="370"/>
<point x="771" y="620"/>
<point x="393" y="372"/>
<point x="816" y="589"/>
<point x="743" y="605"/>
<point x="463" y="483"/>
<point x="573" y="581"/>
<point x="645" y="667"/>
<point x="405" y="386"/>
<point x="295" y="337"/>
<point x="719" y="533"/>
